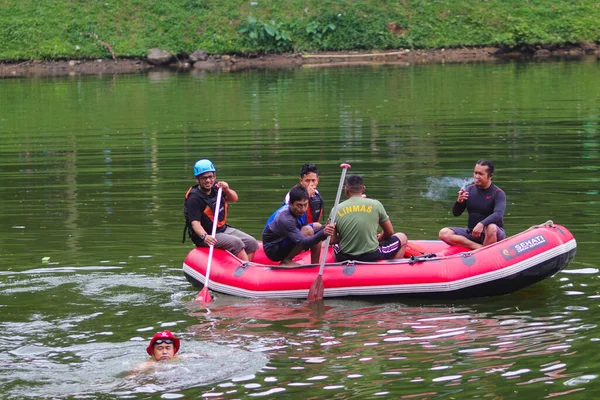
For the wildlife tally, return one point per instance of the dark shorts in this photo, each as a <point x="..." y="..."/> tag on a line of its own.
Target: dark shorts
<point x="464" y="232"/>
<point x="278" y="251"/>
<point x="386" y="251"/>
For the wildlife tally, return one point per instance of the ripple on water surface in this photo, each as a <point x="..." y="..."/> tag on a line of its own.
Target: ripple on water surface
<point x="95" y="368"/>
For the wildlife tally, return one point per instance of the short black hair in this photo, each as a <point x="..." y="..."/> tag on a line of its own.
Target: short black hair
<point x="355" y="184"/>
<point x="308" y="168"/>
<point x="488" y="164"/>
<point x="298" y="193"/>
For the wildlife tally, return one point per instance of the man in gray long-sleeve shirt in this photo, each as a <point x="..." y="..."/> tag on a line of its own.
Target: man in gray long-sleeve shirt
<point x="286" y="236"/>
<point x="485" y="203"/>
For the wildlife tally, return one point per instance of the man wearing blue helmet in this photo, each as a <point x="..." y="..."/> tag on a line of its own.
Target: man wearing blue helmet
<point x="199" y="210"/>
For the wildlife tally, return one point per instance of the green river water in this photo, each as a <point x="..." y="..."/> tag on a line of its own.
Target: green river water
<point x="93" y="171"/>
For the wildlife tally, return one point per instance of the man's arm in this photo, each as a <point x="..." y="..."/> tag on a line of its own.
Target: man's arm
<point x="196" y="208"/>
<point x="499" y="209"/>
<point x="199" y="230"/>
<point x="388" y="230"/>
<point x="286" y="224"/>
<point x="461" y="203"/>
<point x="231" y="195"/>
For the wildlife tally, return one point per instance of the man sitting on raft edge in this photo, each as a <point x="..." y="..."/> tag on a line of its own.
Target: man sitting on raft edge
<point x="357" y="222"/>
<point x="285" y="236"/>
<point x="485" y="204"/>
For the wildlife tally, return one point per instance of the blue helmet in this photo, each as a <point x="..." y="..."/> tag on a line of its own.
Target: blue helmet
<point x="203" y="166"/>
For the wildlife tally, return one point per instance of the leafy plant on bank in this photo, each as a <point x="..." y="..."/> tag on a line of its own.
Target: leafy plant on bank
<point x="318" y="32"/>
<point x="265" y="36"/>
<point x="66" y="28"/>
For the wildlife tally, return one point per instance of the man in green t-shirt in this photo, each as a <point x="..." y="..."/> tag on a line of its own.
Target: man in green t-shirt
<point x="357" y="222"/>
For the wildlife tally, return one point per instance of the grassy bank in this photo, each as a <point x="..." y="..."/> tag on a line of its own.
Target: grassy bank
<point x="51" y="29"/>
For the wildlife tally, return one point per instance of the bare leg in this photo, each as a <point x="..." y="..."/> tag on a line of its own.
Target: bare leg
<point x="404" y="241"/>
<point x="491" y="234"/>
<point x="243" y="256"/>
<point x="288" y="261"/>
<point x="451" y="238"/>
<point x="315" y="253"/>
<point x="306" y="231"/>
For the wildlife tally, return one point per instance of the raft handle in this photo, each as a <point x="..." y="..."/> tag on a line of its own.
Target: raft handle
<point x="240" y="269"/>
<point x="549" y="224"/>
<point x="424" y="257"/>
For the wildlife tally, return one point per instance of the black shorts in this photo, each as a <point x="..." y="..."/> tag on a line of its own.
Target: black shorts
<point x="386" y="251"/>
<point x="465" y="232"/>
<point x="278" y="251"/>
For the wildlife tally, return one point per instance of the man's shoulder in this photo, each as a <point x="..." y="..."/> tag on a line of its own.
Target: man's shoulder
<point x="358" y="200"/>
<point x="497" y="189"/>
<point x="283" y="213"/>
<point x="368" y="200"/>
<point x="193" y="193"/>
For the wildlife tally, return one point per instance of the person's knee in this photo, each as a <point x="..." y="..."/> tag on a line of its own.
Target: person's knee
<point x="445" y="233"/>
<point x="307" y="230"/>
<point x="251" y="245"/>
<point x="403" y="238"/>
<point x="491" y="232"/>
<point x="491" y="229"/>
<point x="236" y="245"/>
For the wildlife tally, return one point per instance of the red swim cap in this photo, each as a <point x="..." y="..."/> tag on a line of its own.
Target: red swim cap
<point x="164" y="335"/>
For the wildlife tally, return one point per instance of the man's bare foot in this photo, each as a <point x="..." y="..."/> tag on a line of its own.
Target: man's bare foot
<point x="289" y="263"/>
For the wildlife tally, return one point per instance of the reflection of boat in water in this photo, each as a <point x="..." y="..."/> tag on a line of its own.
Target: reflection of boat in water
<point x="433" y="270"/>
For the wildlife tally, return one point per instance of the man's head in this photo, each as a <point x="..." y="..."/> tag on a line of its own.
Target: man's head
<point x="483" y="173"/>
<point x="298" y="200"/>
<point x="354" y="186"/>
<point x="163" y="346"/>
<point x="205" y="174"/>
<point x="309" y="177"/>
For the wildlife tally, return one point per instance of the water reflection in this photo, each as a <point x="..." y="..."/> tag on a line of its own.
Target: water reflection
<point x="380" y="349"/>
<point x="93" y="175"/>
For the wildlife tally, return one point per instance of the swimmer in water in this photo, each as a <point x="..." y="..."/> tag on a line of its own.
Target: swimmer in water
<point x="163" y="346"/>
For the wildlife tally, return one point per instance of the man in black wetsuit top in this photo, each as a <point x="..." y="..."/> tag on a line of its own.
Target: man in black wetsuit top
<point x="285" y="236"/>
<point x="485" y="203"/>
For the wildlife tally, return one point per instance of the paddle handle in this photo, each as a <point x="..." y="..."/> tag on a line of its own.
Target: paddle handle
<point x="214" y="232"/>
<point x="345" y="167"/>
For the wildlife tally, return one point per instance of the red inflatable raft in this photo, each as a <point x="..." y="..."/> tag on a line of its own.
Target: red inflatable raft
<point x="434" y="269"/>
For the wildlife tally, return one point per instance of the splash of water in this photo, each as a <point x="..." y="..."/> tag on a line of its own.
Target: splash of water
<point x="444" y="188"/>
<point x="110" y="368"/>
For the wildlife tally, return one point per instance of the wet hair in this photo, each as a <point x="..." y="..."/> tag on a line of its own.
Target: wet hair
<point x="488" y="164"/>
<point x="355" y="184"/>
<point x="298" y="193"/>
<point x="308" y="168"/>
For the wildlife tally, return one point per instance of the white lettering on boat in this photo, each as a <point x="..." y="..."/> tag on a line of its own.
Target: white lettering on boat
<point x="524" y="246"/>
<point x="529" y="244"/>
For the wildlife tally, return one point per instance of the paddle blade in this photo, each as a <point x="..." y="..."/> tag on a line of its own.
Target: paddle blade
<point x="204" y="296"/>
<point x="316" y="290"/>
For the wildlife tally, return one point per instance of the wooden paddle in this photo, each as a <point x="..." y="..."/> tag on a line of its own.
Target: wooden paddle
<point x="317" y="288"/>
<point x="204" y="296"/>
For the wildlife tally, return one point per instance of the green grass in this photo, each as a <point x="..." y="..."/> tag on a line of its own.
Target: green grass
<point x="53" y="29"/>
